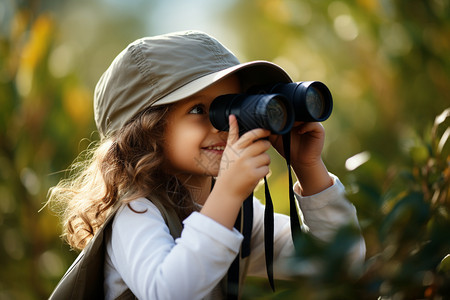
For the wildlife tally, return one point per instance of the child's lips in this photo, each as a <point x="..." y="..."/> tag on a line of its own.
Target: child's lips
<point x="215" y="148"/>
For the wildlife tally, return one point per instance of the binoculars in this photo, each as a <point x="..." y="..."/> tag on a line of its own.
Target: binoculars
<point x="275" y="107"/>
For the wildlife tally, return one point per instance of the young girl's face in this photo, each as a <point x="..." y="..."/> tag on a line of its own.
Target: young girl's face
<point x="193" y="147"/>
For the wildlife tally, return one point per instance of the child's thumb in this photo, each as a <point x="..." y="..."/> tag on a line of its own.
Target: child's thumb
<point x="233" y="132"/>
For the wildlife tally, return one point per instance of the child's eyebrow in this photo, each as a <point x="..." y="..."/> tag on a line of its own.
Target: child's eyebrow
<point x="192" y="101"/>
<point x="197" y="98"/>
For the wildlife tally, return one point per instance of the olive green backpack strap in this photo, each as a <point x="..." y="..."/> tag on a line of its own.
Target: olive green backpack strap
<point x="127" y="295"/>
<point x="171" y="218"/>
<point x="85" y="277"/>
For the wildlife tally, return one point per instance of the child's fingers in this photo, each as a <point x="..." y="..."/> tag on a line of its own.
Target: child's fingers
<point x="233" y="132"/>
<point x="262" y="171"/>
<point x="311" y="128"/>
<point x="252" y="136"/>
<point x="258" y="147"/>
<point x="262" y="160"/>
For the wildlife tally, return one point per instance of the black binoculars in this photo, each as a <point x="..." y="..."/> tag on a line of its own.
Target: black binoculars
<point x="274" y="107"/>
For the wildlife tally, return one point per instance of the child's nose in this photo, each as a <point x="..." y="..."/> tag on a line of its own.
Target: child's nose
<point x="214" y="129"/>
<point x="223" y="134"/>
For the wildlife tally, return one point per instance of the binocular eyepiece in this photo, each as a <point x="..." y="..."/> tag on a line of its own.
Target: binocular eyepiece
<point x="275" y="107"/>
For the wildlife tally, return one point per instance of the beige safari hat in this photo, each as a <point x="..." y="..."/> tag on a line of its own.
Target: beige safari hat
<point x="167" y="68"/>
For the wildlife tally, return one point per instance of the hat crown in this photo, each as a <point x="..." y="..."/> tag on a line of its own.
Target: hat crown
<point x="151" y="68"/>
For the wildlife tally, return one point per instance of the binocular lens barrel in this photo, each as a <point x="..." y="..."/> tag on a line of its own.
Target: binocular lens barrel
<point x="315" y="103"/>
<point x="277" y="114"/>
<point x="274" y="107"/>
<point x="312" y="100"/>
<point x="269" y="111"/>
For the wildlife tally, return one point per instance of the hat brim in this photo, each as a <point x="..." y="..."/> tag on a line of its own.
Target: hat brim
<point x="251" y="74"/>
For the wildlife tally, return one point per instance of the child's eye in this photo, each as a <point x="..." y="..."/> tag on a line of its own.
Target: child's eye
<point x="198" y="110"/>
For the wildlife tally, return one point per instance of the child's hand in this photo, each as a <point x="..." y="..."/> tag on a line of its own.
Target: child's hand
<point x="307" y="140"/>
<point x="245" y="161"/>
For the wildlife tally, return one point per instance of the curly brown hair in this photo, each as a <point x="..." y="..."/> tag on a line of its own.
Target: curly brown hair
<point x="121" y="168"/>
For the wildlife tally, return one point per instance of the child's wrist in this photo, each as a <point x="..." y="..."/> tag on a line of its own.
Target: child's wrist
<point x="223" y="203"/>
<point x="315" y="167"/>
<point x="313" y="178"/>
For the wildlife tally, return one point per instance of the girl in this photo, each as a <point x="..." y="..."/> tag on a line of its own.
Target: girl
<point x="159" y="151"/>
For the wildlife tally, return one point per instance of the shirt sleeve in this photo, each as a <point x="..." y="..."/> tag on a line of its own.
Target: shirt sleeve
<point x="322" y="215"/>
<point x="154" y="266"/>
<point x="325" y="212"/>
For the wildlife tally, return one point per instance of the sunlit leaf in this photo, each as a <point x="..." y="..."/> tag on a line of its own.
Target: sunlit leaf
<point x="444" y="265"/>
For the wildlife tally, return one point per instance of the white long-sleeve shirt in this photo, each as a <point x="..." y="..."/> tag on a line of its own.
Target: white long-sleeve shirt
<point x="143" y="256"/>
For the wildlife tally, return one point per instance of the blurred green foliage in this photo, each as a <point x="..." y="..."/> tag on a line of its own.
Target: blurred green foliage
<point x="386" y="63"/>
<point x="404" y="213"/>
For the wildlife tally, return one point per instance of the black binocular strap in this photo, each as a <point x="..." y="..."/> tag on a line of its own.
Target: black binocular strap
<point x="293" y="213"/>
<point x="245" y="217"/>
<point x="233" y="272"/>
<point x="233" y="280"/>
<point x="268" y="234"/>
<point x="269" y="214"/>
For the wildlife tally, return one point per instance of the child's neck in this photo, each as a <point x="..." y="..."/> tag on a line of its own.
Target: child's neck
<point x="199" y="187"/>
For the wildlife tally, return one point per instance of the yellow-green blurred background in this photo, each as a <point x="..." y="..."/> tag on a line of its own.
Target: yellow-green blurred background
<point x="386" y="62"/>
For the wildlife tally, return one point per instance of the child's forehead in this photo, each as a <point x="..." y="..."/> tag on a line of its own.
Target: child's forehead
<point x="196" y="98"/>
